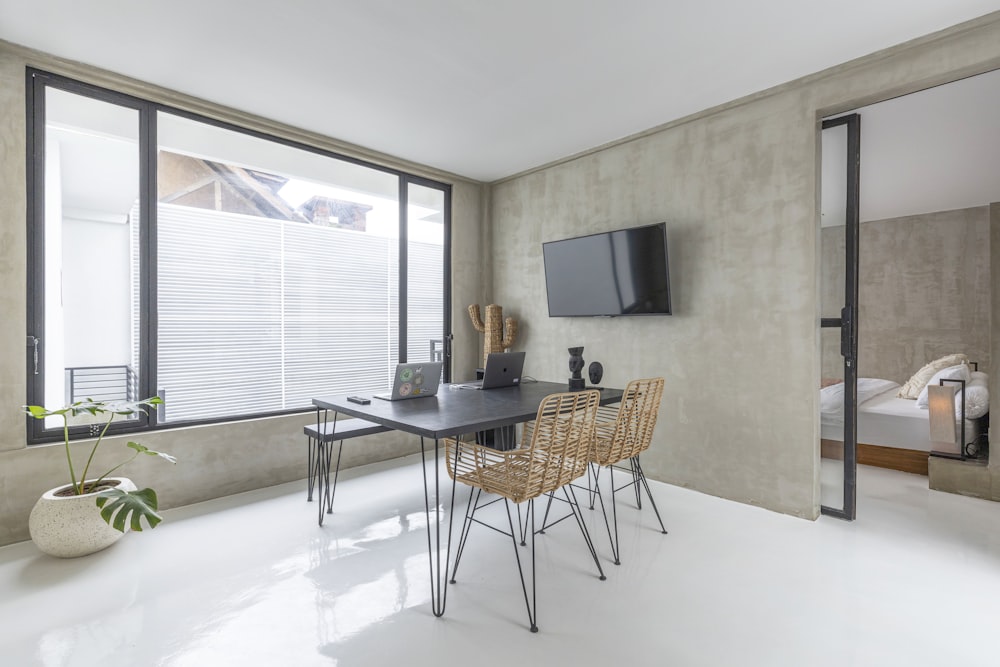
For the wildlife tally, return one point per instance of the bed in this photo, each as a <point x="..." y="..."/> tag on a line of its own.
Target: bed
<point x="893" y="432"/>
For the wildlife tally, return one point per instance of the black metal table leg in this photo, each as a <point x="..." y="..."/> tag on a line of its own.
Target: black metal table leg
<point x="311" y="461"/>
<point x="324" y="451"/>
<point x="438" y="572"/>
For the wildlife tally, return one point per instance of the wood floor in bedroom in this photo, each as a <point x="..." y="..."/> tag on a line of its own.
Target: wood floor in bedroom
<point x="252" y="580"/>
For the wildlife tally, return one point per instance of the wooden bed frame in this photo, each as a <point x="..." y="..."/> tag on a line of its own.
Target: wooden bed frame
<point x="907" y="460"/>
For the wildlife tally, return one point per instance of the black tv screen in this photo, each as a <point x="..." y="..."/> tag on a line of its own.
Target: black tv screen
<point x="623" y="272"/>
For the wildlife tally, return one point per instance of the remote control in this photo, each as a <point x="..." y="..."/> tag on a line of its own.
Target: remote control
<point x="360" y="400"/>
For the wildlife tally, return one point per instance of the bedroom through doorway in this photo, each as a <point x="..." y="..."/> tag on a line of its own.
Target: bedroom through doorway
<point x="929" y="182"/>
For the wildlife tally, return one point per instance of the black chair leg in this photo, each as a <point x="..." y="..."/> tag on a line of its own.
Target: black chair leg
<point x="607" y="524"/>
<point x="578" y="515"/>
<point x="642" y="477"/>
<point x="592" y="483"/>
<point x="470" y="510"/>
<point x="545" y="518"/>
<point x="633" y="464"/>
<point x="639" y="480"/>
<point x="612" y="535"/>
<point x="616" y="548"/>
<point x="531" y="604"/>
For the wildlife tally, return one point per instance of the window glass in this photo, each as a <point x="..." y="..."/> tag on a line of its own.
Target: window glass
<point x="232" y="274"/>
<point x="91" y="220"/>
<point x="425" y="279"/>
<point x="277" y="273"/>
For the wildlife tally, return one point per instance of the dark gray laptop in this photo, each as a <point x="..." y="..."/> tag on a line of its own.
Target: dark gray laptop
<point x="503" y="369"/>
<point x="414" y="381"/>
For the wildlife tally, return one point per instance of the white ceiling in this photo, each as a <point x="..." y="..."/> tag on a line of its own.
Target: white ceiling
<point x="481" y="89"/>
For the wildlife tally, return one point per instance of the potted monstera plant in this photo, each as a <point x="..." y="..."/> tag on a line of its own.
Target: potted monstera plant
<point x="92" y="512"/>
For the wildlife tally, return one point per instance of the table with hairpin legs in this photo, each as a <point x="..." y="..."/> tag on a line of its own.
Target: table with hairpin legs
<point x="453" y="412"/>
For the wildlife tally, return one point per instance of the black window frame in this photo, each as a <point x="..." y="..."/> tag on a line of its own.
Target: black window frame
<point x="37" y="81"/>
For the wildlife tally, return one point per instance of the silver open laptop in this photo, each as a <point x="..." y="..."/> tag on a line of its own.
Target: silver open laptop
<point x="503" y="369"/>
<point x="414" y="381"/>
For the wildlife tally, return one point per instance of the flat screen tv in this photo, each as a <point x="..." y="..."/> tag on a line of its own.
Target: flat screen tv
<point x="622" y="272"/>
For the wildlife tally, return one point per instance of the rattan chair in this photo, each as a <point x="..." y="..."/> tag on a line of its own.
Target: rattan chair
<point x="555" y="456"/>
<point x="621" y="434"/>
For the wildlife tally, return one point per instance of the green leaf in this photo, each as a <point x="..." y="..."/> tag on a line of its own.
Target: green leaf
<point x="131" y="407"/>
<point x="123" y="505"/>
<point x="142" y="449"/>
<point x="38" y="412"/>
<point x="94" y="408"/>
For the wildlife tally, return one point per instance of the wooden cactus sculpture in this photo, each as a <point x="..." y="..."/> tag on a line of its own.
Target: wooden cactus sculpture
<point x="500" y="333"/>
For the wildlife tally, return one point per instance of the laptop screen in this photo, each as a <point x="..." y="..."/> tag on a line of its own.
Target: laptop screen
<point x="414" y="381"/>
<point x="503" y="369"/>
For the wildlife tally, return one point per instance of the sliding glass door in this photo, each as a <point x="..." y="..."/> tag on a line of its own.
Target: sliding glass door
<point x="428" y="336"/>
<point x="85" y="280"/>
<point x="841" y="147"/>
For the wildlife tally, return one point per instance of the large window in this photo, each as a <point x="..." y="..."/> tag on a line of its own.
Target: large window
<point x="231" y="273"/>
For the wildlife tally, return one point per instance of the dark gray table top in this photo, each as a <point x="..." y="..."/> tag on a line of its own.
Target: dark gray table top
<point x="456" y="411"/>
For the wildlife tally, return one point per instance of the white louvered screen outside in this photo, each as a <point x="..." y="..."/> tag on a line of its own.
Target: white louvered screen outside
<point x="425" y="283"/>
<point x="135" y="270"/>
<point x="258" y="315"/>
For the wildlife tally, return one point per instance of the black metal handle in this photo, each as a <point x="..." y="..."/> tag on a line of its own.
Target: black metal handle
<point x="33" y="344"/>
<point x="847" y="334"/>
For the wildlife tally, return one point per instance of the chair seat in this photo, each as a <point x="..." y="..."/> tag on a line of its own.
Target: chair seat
<point x="509" y="473"/>
<point x="600" y="451"/>
<point x="607" y="449"/>
<point x="343" y="430"/>
<point x="509" y="479"/>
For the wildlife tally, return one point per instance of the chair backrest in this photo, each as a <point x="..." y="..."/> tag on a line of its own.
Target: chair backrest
<point x="561" y="440"/>
<point x="636" y="419"/>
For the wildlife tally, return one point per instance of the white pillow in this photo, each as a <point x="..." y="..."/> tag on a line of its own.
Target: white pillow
<point x="919" y="380"/>
<point x="977" y="397"/>
<point x="958" y="372"/>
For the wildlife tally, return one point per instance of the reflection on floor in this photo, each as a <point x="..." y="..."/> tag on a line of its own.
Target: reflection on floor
<point x="252" y="580"/>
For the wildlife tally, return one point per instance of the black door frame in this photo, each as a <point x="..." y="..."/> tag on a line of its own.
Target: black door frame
<point x="848" y="320"/>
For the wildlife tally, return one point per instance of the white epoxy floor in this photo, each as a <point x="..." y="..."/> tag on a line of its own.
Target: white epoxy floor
<point x="252" y="580"/>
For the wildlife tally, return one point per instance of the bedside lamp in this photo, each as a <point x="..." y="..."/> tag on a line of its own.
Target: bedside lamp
<point x="945" y="439"/>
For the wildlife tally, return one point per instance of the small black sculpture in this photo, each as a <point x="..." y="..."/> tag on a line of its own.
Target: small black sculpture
<point x="596" y="372"/>
<point x="576" y="382"/>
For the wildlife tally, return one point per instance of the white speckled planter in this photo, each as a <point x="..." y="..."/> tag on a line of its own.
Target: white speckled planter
<point x="71" y="526"/>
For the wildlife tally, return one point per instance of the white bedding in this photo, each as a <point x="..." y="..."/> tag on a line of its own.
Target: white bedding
<point x="888" y="421"/>
<point x="831" y="399"/>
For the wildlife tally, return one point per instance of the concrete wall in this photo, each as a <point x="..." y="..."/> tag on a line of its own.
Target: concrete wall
<point x="212" y="460"/>
<point x="924" y="291"/>
<point x="738" y="187"/>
